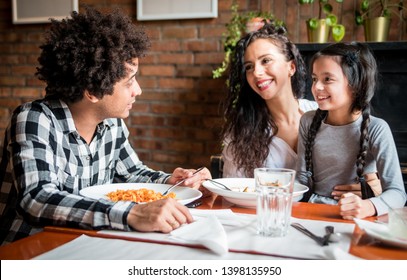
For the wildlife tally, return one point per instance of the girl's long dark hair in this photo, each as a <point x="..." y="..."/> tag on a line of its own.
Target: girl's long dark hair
<point x="248" y="123"/>
<point x="359" y="66"/>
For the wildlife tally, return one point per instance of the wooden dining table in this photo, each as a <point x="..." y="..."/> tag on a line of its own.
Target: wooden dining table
<point x="362" y="245"/>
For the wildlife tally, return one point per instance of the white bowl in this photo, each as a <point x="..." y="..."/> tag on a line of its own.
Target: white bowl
<point x="244" y="199"/>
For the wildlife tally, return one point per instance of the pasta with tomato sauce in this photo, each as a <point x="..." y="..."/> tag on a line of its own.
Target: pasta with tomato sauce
<point x="140" y="195"/>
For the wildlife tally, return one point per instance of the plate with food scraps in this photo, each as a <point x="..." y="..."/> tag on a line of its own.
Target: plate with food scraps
<point x="147" y="191"/>
<point x="243" y="193"/>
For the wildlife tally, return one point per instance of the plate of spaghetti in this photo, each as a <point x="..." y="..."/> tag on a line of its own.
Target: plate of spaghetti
<point x="140" y="192"/>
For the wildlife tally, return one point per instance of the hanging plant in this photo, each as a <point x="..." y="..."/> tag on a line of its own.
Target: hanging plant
<point x="239" y="25"/>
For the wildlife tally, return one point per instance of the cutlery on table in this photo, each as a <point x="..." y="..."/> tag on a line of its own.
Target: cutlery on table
<point x="216" y="183"/>
<point x="323" y="241"/>
<point x="182" y="181"/>
<point x="331" y="235"/>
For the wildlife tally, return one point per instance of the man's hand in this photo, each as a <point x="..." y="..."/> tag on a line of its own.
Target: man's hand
<point x="193" y="180"/>
<point x="162" y="215"/>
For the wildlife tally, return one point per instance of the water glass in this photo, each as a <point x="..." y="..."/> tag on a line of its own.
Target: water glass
<point x="398" y="222"/>
<point x="274" y="190"/>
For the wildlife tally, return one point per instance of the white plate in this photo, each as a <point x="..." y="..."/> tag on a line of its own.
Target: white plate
<point x="245" y="199"/>
<point x="381" y="232"/>
<point x="184" y="195"/>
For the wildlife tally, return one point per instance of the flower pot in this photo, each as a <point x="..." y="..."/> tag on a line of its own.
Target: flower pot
<point x="320" y="33"/>
<point x="255" y="24"/>
<point x="377" y="29"/>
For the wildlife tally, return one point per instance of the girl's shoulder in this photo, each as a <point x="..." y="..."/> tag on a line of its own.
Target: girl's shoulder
<point x="378" y="125"/>
<point x="307" y="117"/>
<point x="377" y="121"/>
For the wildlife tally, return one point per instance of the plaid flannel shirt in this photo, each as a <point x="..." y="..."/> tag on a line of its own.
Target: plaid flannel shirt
<point x="45" y="163"/>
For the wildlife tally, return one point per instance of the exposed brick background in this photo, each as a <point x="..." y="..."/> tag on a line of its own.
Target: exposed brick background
<point x="176" y="121"/>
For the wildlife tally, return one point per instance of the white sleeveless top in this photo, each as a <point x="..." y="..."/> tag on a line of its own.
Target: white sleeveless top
<point x="281" y="155"/>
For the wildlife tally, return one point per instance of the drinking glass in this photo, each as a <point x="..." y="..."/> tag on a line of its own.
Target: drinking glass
<point x="274" y="189"/>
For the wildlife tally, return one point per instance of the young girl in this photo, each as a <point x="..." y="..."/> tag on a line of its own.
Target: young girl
<point x="341" y="142"/>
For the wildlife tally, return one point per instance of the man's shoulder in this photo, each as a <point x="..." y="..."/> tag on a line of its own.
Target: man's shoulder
<point x="35" y="105"/>
<point x="31" y="106"/>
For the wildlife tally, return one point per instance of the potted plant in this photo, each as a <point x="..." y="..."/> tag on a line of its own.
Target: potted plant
<point x="375" y="16"/>
<point x="239" y="24"/>
<point x="318" y="27"/>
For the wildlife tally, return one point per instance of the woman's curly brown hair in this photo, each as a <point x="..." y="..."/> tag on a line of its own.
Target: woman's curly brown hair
<point x="88" y="52"/>
<point x="248" y="122"/>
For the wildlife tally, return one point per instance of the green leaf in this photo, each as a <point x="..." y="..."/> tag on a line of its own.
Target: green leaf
<point x="358" y="18"/>
<point x="338" y="32"/>
<point x="339" y="1"/>
<point x="386" y="13"/>
<point x="313" y="23"/>
<point x="327" y="8"/>
<point x="331" y="20"/>
<point x="364" y="6"/>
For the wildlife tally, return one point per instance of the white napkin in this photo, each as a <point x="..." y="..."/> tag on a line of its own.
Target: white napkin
<point x="96" y="248"/>
<point x="207" y="232"/>
<point x="333" y="252"/>
<point x="225" y="216"/>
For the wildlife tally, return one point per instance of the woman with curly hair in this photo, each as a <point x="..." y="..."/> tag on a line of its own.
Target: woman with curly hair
<point x="341" y="142"/>
<point x="264" y="103"/>
<point x="75" y="137"/>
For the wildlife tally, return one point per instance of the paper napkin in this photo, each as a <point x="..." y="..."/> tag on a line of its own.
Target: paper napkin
<point x="207" y="232"/>
<point x="333" y="252"/>
<point x="225" y="216"/>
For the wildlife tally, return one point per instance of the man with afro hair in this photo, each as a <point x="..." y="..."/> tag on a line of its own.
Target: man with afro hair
<point x="75" y="137"/>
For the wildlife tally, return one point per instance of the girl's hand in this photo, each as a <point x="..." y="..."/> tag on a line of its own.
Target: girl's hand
<point x="352" y="206"/>
<point x="371" y="178"/>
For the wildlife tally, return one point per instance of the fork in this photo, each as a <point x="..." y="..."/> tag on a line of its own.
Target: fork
<point x="323" y="241"/>
<point x="218" y="184"/>
<point x="182" y="181"/>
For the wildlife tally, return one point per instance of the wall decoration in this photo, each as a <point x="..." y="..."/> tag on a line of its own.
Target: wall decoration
<point x="176" y="9"/>
<point x="40" y="11"/>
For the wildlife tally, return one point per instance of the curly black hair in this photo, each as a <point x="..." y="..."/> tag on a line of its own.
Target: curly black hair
<point x="248" y="122"/>
<point x="88" y="51"/>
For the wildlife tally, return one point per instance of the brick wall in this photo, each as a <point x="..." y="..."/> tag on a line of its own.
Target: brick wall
<point x="176" y="121"/>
